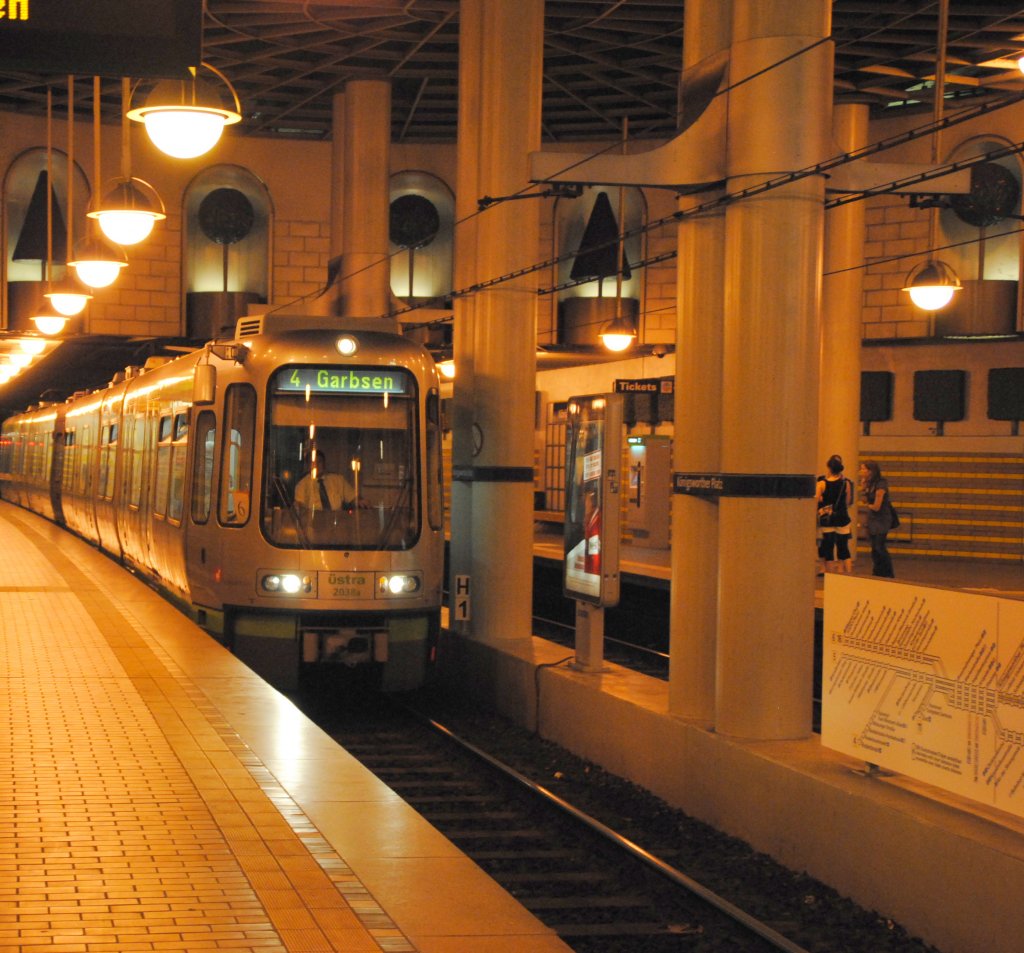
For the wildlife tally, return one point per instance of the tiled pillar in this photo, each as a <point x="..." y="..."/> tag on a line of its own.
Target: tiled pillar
<point x="779" y="121"/>
<point x="500" y="70"/>
<point x="697" y="446"/>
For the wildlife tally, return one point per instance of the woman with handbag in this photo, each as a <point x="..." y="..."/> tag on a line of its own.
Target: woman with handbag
<point x="834" y="496"/>
<point x="874" y="490"/>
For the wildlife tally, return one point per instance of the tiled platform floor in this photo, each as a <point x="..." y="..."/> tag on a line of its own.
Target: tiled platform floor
<point x="156" y="795"/>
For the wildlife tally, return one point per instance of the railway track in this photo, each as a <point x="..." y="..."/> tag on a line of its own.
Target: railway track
<point x="595" y="887"/>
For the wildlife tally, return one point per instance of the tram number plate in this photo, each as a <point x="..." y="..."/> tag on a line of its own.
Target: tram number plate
<point x="345" y="585"/>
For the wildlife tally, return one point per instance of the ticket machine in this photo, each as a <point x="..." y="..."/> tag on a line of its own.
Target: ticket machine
<point x="648" y="493"/>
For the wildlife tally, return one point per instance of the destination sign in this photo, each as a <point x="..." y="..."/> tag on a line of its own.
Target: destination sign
<point x="343" y="380"/>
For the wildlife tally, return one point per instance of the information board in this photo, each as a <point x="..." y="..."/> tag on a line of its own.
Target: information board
<point x="928" y="682"/>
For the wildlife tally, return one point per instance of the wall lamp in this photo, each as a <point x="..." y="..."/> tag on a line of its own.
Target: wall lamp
<point x="185" y="118"/>
<point x="932" y="284"/>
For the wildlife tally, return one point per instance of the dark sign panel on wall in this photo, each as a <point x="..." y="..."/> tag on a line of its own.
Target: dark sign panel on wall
<point x="137" y="38"/>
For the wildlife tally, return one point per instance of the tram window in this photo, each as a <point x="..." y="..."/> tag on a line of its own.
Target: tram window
<point x="237" y="455"/>
<point x="83" y="482"/>
<point x="433" y="474"/>
<point x="202" y="466"/>
<point x="135" y="456"/>
<point x="108" y="450"/>
<point x="70" y="453"/>
<point x="179" y="453"/>
<point x="163" y="466"/>
<point x="366" y="447"/>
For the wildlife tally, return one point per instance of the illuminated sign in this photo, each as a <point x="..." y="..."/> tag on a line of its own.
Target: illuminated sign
<point x="343" y="380"/>
<point x="593" y="449"/>
<point x="13" y="9"/>
<point x="148" y="39"/>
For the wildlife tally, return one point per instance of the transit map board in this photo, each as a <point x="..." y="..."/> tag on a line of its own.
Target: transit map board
<point x="593" y="454"/>
<point x="928" y="682"/>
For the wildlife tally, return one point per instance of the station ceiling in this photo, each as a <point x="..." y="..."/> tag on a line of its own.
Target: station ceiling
<point x="605" y="61"/>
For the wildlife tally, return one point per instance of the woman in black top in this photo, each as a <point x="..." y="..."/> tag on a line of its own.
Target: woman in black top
<point x="834" y="495"/>
<point x="875" y="495"/>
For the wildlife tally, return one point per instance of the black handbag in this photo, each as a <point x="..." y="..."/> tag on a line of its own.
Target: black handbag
<point x="895" y="516"/>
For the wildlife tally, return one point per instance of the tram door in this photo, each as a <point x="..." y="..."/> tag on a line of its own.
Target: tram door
<point x="648" y="496"/>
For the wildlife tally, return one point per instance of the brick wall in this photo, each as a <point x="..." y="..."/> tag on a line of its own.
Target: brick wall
<point x="300" y="253"/>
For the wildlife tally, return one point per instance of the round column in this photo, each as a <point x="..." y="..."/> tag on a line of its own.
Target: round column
<point x="366" y="267"/>
<point x="501" y="47"/>
<point x="778" y="122"/>
<point x="841" y="308"/>
<point x="697" y="444"/>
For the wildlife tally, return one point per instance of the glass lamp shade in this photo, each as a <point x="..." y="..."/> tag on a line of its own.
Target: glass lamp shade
<point x="68" y="301"/>
<point x="618" y="335"/>
<point x="49" y="324"/>
<point x="931" y="285"/>
<point x="129" y="211"/>
<point x="97" y="263"/>
<point x="184" y="119"/>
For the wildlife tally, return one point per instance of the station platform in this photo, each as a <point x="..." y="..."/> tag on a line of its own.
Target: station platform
<point x="158" y="795"/>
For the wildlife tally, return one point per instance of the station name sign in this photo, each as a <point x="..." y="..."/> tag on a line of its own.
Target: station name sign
<point x="342" y="380"/>
<point x="782" y="486"/>
<point x="157" y="39"/>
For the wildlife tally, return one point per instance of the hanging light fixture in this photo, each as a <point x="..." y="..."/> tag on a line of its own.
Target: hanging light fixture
<point x="97" y="262"/>
<point x="43" y="317"/>
<point x="184" y="119"/>
<point x="618" y="334"/>
<point x="932" y="284"/>
<point x="67" y="297"/>
<point x="130" y="209"/>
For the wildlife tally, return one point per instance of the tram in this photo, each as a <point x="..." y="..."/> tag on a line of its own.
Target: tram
<point x="284" y="487"/>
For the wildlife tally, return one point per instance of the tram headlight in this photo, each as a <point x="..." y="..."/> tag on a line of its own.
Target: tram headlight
<point x="399" y="584"/>
<point x="285" y="583"/>
<point x="347" y="345"/>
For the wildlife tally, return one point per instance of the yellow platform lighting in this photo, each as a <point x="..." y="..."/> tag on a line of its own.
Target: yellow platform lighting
<point x="97" y="262"/>
<point x="49" y="324"/>
<point x="618" y="334"/>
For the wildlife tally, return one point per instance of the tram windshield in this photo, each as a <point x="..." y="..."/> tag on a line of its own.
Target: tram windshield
<point x="341" y="459"/>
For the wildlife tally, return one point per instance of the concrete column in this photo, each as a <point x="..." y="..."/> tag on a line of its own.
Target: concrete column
<point x="338" y="146"/>
<point x="697" y="446"/>
<point x="841" y="308"/>
<point x="366" y="269"/>
<point x="500" y="64"/>
<point x="778" y="122"/>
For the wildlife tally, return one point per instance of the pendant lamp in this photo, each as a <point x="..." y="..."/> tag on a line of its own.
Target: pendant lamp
<point x="185" y="118"/>
<point x="131" y="207"/>
<point x="68" y="298"/>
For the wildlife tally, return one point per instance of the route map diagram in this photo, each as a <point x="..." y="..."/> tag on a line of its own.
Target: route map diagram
<point x="928" y="682"/>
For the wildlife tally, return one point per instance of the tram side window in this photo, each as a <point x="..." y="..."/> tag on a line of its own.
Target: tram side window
<point x="179" y="452"/>
<point x="85" y="457"/>
<point x="163" y="465"/>
<point x="433" y="474"/>
<point x="108" y="449"/>
<point x="137" y="438"/>
<point x="202" y="466"/>
<point x="70" y="455"/>
<point x="237" y="455"/>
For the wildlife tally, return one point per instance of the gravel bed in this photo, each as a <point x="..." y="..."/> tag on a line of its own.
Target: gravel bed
<point x="805" y="910"/>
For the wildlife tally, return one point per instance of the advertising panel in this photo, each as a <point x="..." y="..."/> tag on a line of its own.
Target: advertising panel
<point x="593" y="451"/>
